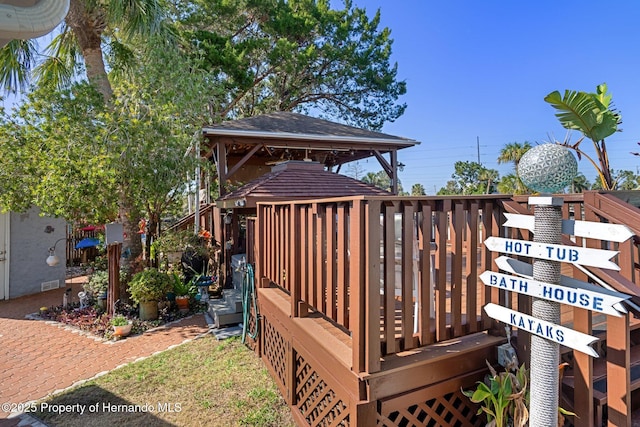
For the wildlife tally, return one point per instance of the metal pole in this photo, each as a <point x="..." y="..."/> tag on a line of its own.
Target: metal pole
<point x="545" y="354"/>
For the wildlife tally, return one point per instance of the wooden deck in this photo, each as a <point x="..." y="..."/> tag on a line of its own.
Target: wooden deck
<point x="371" y="308"/>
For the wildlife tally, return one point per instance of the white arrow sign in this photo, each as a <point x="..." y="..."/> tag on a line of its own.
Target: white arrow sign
<point x="523" y="269"/>
<point x="572" y="254"/>
<point x="560" y="334"/>
<point x="591" y="230"/>
<point x="601" y="302"/>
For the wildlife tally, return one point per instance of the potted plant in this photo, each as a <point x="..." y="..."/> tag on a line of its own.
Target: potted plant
<point x="147" y="288"/>
<point x="121" y="325"/>
<point x="183" y="292"/>
<point x="172" y="244"/>
<point x="97" y="287"/>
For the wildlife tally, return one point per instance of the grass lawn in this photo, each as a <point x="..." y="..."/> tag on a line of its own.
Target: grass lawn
<point x="202" y="383"/>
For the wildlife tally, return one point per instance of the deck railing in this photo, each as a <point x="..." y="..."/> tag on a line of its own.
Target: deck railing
<point x="395" y="273"/>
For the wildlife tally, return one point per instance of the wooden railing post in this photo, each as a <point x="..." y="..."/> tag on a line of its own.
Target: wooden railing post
<point x="618" y="374"/>
<point x="583" y="363"/>
<point x="293" y="252"/>
<point x="371" y="232"/>
<point x="356" y="285"/>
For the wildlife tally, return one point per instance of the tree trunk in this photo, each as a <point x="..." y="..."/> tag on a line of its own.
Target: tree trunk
<point x="131" y="244"/>
<point x="88" y="27"/>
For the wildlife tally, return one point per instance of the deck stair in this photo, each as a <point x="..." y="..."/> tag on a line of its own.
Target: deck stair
<point x="228" y="309"/>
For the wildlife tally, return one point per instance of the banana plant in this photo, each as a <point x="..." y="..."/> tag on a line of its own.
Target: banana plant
<point x="594" y="116"/>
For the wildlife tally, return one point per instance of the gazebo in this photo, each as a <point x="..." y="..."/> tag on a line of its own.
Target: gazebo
<point x="245" y="149"/>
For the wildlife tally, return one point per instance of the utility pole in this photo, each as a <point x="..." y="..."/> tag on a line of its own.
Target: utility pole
<point x="478" y="145"/>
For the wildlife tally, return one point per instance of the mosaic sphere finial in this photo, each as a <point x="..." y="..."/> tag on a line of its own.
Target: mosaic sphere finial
<point x="547" y="168"/>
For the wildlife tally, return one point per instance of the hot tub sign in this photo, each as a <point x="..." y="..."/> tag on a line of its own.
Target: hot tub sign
<point x="561" y="253"/>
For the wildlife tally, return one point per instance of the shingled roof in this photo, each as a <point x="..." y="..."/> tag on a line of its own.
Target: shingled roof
<point x="287" y="125"/>
<point x="295" y="180"/>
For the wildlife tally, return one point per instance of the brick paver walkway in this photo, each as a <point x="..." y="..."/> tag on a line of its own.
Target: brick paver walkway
<point x="37" y="358"/>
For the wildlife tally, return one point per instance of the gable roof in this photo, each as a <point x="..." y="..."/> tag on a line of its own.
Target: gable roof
<point x="295" y="180"/>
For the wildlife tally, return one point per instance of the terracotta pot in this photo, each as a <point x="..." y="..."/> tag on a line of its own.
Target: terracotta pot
<point x="122" y="331"/>
<point x="183" y="302"/>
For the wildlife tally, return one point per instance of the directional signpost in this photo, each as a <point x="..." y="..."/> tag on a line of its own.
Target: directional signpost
<point x="568" y="290"/>
<point x="547" y="169"/>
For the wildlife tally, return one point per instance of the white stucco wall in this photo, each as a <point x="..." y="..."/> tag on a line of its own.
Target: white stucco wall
<point x="28" y="250"/>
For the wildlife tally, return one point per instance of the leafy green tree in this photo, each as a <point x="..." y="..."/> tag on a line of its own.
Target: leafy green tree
<point x="470" y="178"/>
<point x="594" y="116"/>
<point x="512" y="153"/>
<point x="296" y="55"/>
<point x="52" y="155"/>
<point x="90" y="30"/>
<point x="450" y="188"/>
<point x="417" y="189"/>
<point x="135" y="147"/>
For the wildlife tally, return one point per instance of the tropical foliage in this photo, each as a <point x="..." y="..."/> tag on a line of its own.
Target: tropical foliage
<point x="381" y="180"/>
<point x="504" y="397"/>
<point x="418" y="190"/>
<point x="593" y="115"/>
<point x="512" y="153"/>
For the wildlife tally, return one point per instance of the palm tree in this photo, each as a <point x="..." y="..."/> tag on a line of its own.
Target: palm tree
<point x="513" y="152"/>
<point x="580" y="183"/>
<point x="89" y="30"/>
<point x="490" y="176"/>
<point x="417" y="189"/>
<point x="508" y="184"/>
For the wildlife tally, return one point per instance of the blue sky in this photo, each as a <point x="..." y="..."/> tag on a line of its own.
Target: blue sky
<point x="481" y="69"/>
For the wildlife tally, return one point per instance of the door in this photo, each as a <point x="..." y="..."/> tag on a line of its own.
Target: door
<point x="4" y="266"/>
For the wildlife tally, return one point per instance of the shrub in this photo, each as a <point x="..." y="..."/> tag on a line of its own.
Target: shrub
<point x="149" y="285"/>
<point x="98" y="283"/>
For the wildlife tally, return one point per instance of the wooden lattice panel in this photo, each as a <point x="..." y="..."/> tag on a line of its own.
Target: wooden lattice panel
<point x="317" y="402"/>
<point x="275" y="349"/>
<point x="452" y="409"/>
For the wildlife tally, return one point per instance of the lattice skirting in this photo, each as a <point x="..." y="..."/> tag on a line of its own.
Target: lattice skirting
<point x="275" y="349"/>
<point x="316" y="401"/>
<point x="318" y="398"/>
<point x="452" y="409"/>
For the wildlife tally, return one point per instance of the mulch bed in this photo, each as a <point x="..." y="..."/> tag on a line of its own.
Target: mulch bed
<point x="94" y="322"/>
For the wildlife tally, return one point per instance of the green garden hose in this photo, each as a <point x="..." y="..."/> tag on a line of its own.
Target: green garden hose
<point x="249" y="300"/>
